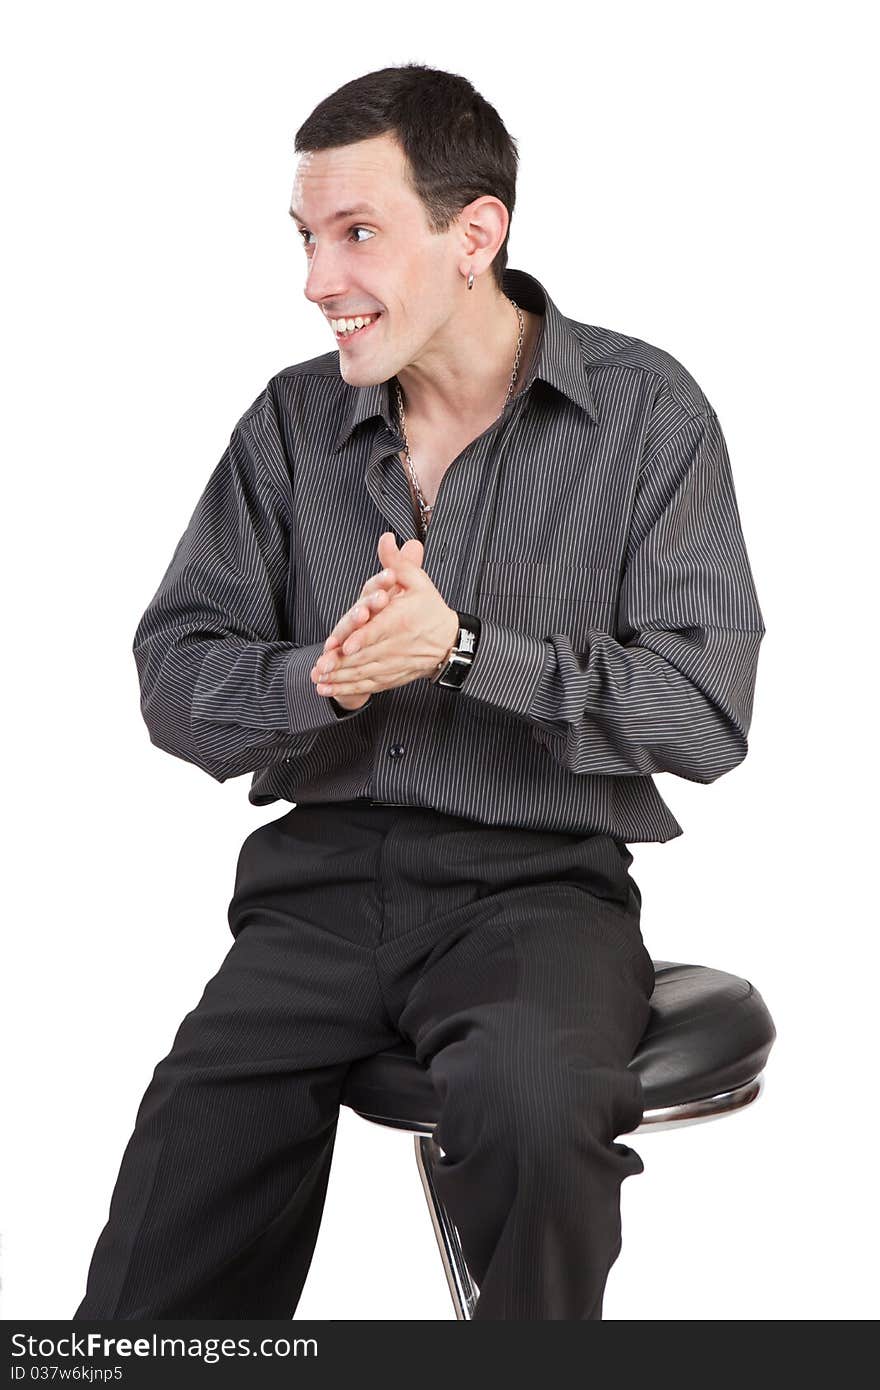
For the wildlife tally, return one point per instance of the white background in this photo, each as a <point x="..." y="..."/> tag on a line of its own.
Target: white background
<point x="697" y="176"/>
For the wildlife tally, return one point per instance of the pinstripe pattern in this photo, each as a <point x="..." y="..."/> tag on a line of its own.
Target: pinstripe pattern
<point x="593" y="528"/>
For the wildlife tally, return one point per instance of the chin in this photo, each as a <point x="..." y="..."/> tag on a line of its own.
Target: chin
<point x="360" y="373"/>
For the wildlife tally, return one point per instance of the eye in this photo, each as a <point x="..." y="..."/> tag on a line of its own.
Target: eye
<point x="305" y="233"/>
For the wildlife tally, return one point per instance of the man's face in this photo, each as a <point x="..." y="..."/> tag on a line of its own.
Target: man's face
<point x="386" y="259"/>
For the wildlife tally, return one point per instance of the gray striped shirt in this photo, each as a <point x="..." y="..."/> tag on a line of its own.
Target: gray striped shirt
<point x="594" y="530"/>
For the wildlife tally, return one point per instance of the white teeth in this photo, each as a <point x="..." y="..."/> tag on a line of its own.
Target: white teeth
<point x="350" y="325"/>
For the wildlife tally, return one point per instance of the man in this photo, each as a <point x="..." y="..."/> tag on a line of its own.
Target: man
<point x="468" y="747"/>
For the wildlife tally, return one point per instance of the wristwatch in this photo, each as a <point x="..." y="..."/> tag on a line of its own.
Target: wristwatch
<point x="453" y="670"/>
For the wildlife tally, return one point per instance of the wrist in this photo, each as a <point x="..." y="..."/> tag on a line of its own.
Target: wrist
<point x="453" y="669"/>
<point x="341" y="709"/>
<point x="452" y="630"/>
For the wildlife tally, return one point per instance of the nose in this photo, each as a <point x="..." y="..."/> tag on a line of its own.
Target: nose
<point x="322" y="281"/>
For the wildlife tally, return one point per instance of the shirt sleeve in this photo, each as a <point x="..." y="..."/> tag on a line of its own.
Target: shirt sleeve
<point x="220" y="685"/>
<point x="672" y="691"/>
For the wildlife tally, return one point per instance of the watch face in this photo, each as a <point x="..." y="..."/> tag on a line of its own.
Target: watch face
<point x="455" y="672"/>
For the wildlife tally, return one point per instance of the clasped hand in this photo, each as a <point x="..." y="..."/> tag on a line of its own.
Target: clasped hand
<point x="399" y="629"/>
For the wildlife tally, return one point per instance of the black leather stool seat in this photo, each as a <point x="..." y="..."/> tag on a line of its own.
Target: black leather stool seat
<point x="709" y="1033"/>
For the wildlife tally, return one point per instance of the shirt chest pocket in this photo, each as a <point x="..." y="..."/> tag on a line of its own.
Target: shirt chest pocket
<point x="543" y="598"/>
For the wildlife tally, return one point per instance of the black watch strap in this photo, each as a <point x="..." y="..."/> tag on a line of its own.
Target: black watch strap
<point x="454" y="670"/>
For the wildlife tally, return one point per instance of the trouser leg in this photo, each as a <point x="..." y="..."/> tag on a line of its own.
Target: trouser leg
<point x="219" y="1197"/>
<point x="528" y="1010"/>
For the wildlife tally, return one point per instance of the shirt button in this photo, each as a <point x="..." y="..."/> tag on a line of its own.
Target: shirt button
<point x="396" y="750"/>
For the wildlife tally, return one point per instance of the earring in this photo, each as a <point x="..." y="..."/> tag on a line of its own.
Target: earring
<point x="471" y="280"/>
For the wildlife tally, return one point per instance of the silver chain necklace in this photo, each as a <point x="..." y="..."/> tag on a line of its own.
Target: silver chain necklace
<point x="424" y="507"/>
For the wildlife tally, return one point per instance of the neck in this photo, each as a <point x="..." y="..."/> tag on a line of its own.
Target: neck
<point x="465" y="370"/>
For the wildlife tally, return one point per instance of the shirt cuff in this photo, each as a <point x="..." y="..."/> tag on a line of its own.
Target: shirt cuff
<point x="307" y="710"/>
<point x="507" y="668"/>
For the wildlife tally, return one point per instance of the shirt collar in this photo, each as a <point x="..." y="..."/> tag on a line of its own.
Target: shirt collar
<point x="559" y="360"/>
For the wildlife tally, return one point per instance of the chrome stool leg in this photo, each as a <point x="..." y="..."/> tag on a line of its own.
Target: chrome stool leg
<point x="462" y="1287"/>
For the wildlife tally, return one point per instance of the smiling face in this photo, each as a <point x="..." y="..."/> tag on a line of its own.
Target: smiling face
<point x="380" y="256"/>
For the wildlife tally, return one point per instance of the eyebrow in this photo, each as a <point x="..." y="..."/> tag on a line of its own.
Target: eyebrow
<point x="343" y="212"/>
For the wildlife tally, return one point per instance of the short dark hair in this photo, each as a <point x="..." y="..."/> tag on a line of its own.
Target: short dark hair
<point x="456" y="145"/>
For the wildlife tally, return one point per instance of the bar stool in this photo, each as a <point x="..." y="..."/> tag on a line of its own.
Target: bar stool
<point x="702" y="1056"/>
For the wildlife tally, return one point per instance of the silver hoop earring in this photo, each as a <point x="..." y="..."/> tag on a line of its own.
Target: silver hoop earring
<point x="471" y="280"/>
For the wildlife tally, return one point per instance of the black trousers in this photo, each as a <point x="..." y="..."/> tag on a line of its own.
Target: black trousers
<point x="514" y="961"/>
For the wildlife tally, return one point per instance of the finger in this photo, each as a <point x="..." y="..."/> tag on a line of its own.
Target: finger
<point x="345" y="683"/>
<point x="385" y="677"/>
<point x="414" y="551"/>
<point x="365" y="639"/>
<point x="379" y="597"/>
<point x="372" y="605"/>
<point x="385" y="579"/>
<point x="373" y="662"/>
<point x="352" y="680"/>
<point x="343" y="628"/>
<point x="357" y="616"/>
<point x="334" y="666"/>
<point x="363" y="633"/>
<point x="331" y="664"/>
